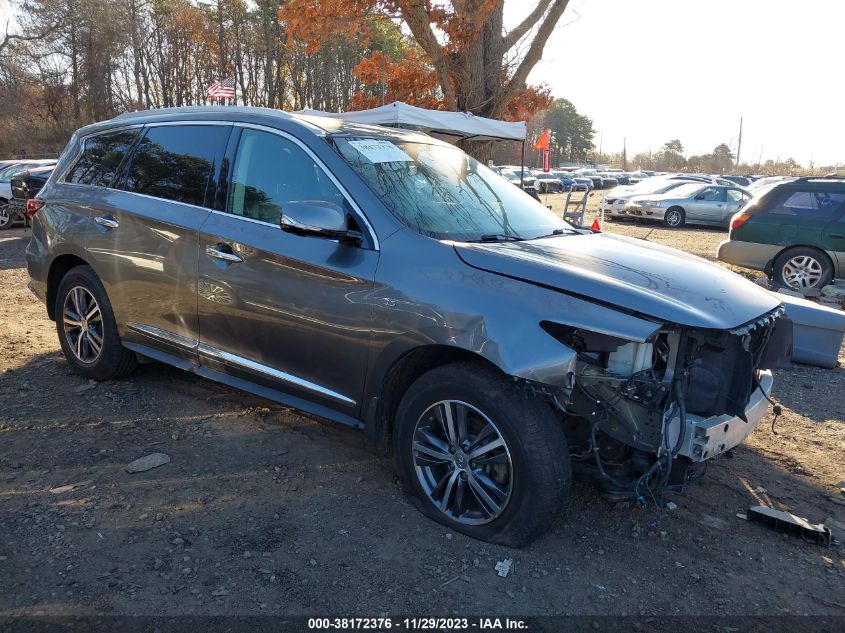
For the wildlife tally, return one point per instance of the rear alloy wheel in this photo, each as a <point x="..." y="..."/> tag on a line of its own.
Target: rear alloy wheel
<point x="87" y="328"/>
<point x="6" y="216"/>
<point x="674" y="218"/>
<point x="480" y="455"/>
<point x="802" y="268"/>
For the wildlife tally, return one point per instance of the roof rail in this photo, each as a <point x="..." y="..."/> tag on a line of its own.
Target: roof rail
<point x="833" y="176"/>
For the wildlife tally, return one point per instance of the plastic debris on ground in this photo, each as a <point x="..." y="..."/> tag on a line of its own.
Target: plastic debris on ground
<point x="503" y="567"/>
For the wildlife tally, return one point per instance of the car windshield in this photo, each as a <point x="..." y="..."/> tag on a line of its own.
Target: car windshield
<point x="441" y="192"/>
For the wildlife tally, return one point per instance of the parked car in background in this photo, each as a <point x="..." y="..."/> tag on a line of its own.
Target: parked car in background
<point x="596" y="180"/>
<point x="547" y="183"/>
<point x="613" y="203"/>
<point x="794" y="232"/>
<point x="691" y="203"/>
<point x="742" y="181"/>
<point x="622" y="178"/>
<point x="385" y="280"/>
<point x="573" y="183"/>
<point x="24" y="186"/>
<point x="608" y="181"/>
<point x="10" y="168"/>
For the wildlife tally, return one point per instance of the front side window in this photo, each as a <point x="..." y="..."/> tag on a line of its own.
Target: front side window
<point x="101" y="157"/>
<point x="711" y="194"/>
<point x="813" y="205"/>
<point x="176" y="162"/>
<point x="271" y="171"/>
<point x="441" y="192"/>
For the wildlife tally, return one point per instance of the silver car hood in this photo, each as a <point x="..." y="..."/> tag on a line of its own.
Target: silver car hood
<point x="634" y="275"/>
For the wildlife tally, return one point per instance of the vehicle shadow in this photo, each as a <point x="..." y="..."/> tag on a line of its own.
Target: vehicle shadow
<point x="264" y="511"/>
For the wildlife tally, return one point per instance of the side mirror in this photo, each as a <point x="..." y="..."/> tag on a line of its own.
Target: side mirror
<point x="700" y="196"/>
<point x="317" y="218"/>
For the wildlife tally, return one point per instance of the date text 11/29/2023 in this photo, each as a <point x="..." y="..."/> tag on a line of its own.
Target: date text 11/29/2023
<point x="417" y="624"/>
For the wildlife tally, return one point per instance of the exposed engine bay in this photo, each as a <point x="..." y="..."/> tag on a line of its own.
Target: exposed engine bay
<point x="639" y="414"/>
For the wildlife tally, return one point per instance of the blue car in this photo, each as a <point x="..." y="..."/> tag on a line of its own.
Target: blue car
<point x="573" y="183"/>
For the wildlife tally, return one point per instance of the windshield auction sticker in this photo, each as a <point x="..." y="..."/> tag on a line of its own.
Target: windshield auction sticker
<point x="380" y="151"/>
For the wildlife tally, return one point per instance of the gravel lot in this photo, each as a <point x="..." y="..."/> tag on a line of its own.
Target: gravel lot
<point x="264" y="511"/>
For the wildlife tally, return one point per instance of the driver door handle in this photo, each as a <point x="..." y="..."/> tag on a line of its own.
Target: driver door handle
<point x="217" y="252"/>
<point x="107" y="221"/>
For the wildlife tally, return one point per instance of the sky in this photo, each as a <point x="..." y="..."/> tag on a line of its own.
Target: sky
<point x="655" y="70"/>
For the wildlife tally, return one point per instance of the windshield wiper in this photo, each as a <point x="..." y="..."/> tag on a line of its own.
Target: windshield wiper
<point x="499" y="237"/>
<point x="556" y="232"/>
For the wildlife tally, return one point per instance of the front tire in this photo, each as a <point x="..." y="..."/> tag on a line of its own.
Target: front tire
<point x="802" y="268"/>
<point x="7" y="218"/>
<point x="87" y="328"/>
<point x="675" y="217"/>
<point x="480" y="455"/>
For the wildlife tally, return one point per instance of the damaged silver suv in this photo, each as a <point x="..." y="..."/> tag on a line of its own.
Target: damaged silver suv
<point x="385" y="280"/>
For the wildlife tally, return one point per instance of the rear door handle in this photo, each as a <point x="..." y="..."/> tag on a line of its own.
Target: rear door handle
<point x="217" y="252"/>
<point x="837" y="236"/>
<point x="107" y="221"/>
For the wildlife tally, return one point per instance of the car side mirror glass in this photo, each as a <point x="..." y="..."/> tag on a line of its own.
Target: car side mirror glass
<point x="317" y="218"/>
<point x="700" y="196"/>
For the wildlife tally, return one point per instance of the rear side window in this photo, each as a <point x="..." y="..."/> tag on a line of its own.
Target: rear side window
<point x="812" y="205"/>
<point x="101" y="157"/>
<point x="177" y="162"/>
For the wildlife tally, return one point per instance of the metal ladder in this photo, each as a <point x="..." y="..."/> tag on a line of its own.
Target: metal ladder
<point x="574" y="210"/>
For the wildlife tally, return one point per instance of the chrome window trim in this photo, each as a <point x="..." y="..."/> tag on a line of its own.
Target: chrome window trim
<point x="219" y="354"/>
<point x="321" y="165"/>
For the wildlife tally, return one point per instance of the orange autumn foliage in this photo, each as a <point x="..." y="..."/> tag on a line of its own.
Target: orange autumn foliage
<point x="412" y="78"/>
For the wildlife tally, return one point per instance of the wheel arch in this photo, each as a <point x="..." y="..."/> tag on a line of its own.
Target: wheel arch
<point x="770" y="265"/>
<point x="401" y="374"/>
<point x="59" y="267"/>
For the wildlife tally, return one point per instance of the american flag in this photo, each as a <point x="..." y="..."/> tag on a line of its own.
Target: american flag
<point x="222" y="89"/>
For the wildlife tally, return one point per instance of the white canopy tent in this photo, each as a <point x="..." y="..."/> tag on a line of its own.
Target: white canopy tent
<point x="461" y="125"/>
<point x="453" y="125"/>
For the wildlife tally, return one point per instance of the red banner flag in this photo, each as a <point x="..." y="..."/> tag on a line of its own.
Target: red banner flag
<point x="543" y="141"/>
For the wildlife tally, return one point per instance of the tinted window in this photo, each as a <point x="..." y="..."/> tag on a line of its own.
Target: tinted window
<point x="271" y="171"/>
<point x="177" y="162"/>
<point x="101" y="157"/>
<point x="814" y="205"/>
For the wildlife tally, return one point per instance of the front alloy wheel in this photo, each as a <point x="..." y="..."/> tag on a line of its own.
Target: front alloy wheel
<point x="6" y="217"/>
<point x="462" y="462"/>
<point x="480" y="455"/>
<point x="83" y="325"/>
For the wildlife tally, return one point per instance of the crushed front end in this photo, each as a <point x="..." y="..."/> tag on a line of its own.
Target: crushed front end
<point x="639" y="414"/>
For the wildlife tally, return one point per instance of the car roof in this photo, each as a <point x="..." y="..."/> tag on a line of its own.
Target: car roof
<point x="317" y="125"/>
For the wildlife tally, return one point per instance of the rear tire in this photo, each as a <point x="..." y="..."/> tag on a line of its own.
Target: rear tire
<point x="525" y="478"/>
<point x="802" y="268"/>
<point x="675" y="217"/>
<point x="87" y="328"/>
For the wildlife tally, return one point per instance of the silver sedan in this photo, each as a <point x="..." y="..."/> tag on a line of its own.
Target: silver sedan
<point x="693" y="203"/>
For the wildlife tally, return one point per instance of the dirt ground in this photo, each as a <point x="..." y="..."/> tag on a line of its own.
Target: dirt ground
<point x="264" y="511"/>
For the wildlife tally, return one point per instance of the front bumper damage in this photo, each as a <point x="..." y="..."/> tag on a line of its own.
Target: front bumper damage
<point x="705" y="438"/>
<point x="639" y="414"/>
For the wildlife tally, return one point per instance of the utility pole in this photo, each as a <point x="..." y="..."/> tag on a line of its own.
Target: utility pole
<point x="625" y="153"/>
<point x="739" y="142"/>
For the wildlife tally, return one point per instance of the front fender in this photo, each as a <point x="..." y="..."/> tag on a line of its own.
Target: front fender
<point x="484" y="313"/>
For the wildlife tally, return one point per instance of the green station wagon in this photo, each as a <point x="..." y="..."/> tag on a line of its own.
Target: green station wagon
<point x="795" y="232"/>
